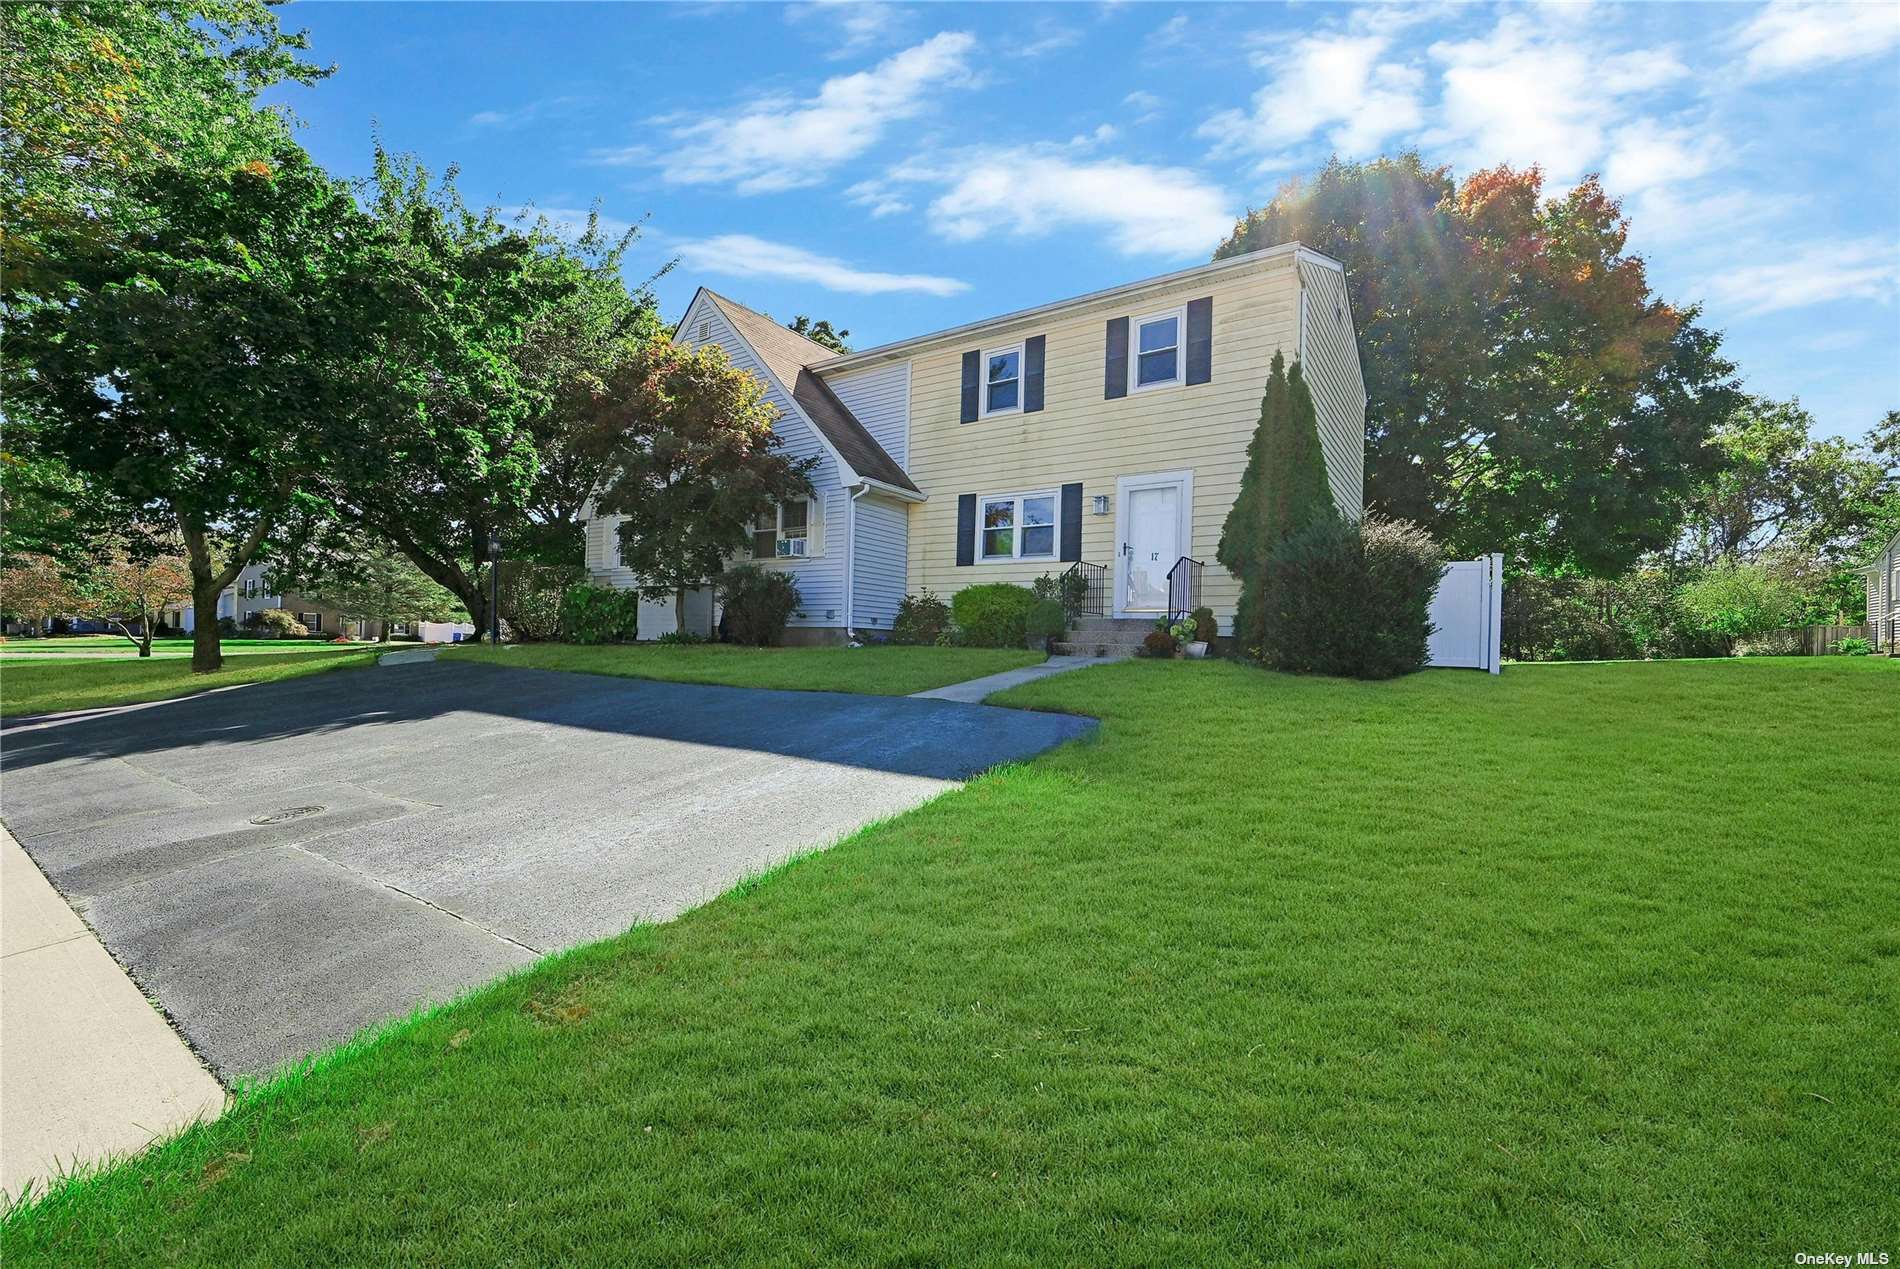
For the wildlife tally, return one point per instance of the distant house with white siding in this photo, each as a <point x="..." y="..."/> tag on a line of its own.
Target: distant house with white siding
<point x="1104" y="434"/>
<point x="1883" y="597"/>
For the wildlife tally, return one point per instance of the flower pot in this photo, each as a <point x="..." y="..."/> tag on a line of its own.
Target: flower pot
<point x="1197" y="649"/>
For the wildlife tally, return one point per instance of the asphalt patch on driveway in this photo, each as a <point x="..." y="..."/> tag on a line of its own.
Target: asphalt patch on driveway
<point x="286" y="865"/>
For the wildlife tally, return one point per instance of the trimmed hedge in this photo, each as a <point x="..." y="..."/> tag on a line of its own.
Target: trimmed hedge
<point x="993" y="615"/>
<point x="1350" y="598"/>
<point x="531" y="598"/>
<point x="758" y="603"/>
<point x="600" y="614"/>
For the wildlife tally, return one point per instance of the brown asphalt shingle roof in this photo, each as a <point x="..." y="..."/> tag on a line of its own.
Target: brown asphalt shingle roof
<point x="787" y="355"/>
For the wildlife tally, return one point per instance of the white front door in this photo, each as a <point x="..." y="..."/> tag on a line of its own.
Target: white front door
<point x="1153" y="512"/>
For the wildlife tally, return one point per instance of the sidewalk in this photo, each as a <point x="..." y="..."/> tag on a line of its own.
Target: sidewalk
<point x="88" y="1068"/>
<point x="973" y="691"/>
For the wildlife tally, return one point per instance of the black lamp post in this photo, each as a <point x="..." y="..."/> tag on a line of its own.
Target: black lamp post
<point x="494" y="587"/>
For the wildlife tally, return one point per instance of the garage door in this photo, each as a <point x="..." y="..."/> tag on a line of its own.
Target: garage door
<point x="1465" y="615"/>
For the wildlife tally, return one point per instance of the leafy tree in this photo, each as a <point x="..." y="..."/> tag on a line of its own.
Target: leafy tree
<point x="129" y="592"/>
<point x="443" y="452"/>
<point x="820" y="332"/>
<point x="385" y="587"/>
<point x="1282" y="490"/>
<point x="567" y="353"/>
<point x="188" y="371"/>
<point x="694" y="464"/>
<point x="35" y="589"/>
<point x="1739" y="601"/>
<point x="98" y="96"/>
<point x="1526" y="391"/>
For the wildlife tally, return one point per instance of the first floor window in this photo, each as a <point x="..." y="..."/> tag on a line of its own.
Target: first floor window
<point x="313" y="621"/>
<point x="1157" y="359"/>
<point x="783" y="531"/>
<point x="1019" y="527"/>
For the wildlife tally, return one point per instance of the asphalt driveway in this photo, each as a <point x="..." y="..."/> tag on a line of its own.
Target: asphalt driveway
<point x="283" y="865"/>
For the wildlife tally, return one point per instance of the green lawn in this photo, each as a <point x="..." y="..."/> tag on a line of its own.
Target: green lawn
<point x="46" y="687"/>
<point x="1583" y="964"/>
<point x="877" y="671"/>
<point x="115" y="648"/>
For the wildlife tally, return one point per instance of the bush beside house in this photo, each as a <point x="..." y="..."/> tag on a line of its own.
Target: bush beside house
<point x="600" y="614"/>
<point x="993" y="615"/>
<point x="1350" y="598"/>
<point x="758" y="604"/>
<point x="922" y="619"/>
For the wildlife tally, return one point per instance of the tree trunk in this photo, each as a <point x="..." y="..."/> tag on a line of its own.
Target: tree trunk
<point x="679" y="610"/>
<point x="145" y="642"/>
<point x="207" y="654"/>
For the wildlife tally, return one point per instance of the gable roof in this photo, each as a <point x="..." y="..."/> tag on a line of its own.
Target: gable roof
<point x="788" y="355"/>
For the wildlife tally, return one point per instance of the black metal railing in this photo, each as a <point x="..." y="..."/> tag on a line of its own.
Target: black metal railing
<point x="1184" y="588"/>
<point x="1085" y="590"/>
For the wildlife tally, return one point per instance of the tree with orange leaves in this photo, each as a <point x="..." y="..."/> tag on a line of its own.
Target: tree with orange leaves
<point x="1527" y="391"/>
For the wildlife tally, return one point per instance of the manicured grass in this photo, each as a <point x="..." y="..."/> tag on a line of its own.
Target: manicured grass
<point x="876" y="671"/>
<point x="114" y="648"/>
<point x="47" y="687"/>
<point x="1577" y="965"/>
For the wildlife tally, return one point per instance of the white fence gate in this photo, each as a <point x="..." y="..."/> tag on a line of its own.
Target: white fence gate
<point x="1467" y="615"/>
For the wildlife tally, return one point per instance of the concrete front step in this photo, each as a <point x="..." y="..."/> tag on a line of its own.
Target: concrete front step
<point x="1079" y="648"/>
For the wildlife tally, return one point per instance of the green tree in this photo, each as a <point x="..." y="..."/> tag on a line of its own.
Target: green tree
<point x="1739" y="601"/>
<point x="1282" y="490"/>
<point x="100" y="95"/>
<point x="1526" y="391"/>
<point x="820" y="332"/>
<point x="694" y="464"/>
<point x="441" y="452"/>
<point x="188" y="370"/>
<point x="385" y="587"/>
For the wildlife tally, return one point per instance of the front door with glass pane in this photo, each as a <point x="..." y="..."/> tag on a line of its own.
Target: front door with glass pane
<point x="1151" y="515"/>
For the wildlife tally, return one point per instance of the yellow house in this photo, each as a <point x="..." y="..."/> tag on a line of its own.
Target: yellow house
<point x="1103" y="435"/>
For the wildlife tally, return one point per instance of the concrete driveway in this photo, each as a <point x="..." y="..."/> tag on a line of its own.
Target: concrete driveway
<point x="285" y="864"/>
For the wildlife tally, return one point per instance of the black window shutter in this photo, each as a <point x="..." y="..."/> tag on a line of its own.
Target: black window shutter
<point x="1200" y="340"/>
<point x="970" y="372"/>
<point x="1072" y="522"/>
<point x="1032" y="374"/>
<point x="966" y="529"/>
<point x="1115" y="365"/>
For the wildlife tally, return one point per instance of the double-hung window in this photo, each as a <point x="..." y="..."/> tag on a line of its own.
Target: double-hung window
<point x="783" y="532"/>
<point x="1002" y="380"/>
<point x="1018" y="526"/>
<point x="1157" y="359"/>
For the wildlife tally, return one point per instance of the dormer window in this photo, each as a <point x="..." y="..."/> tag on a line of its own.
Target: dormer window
<point x="1157" y="359"/>
<point x="1002" y="380"/>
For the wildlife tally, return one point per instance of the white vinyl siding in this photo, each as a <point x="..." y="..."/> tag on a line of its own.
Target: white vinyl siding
<point x="1330" y="360"/>
<point x="878" y="562"/>
<point x="880" y="399"/>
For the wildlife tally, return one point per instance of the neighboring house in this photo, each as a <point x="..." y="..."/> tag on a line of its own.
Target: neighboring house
<point x="250" y="594"/>
<point x="1105" y="433"/>
<point x="1883" y="597"/>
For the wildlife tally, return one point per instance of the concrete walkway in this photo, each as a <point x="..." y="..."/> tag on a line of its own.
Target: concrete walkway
<point x="88" y="1068"/>
<point x="973" y="691"/>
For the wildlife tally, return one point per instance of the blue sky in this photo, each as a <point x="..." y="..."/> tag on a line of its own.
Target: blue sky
<point x="901" y="169"/>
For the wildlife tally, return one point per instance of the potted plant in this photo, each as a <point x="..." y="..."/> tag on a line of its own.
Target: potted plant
<point x="1184" y="632"/>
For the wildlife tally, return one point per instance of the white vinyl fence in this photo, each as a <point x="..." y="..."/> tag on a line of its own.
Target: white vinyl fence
<point x="1466" y="615"/>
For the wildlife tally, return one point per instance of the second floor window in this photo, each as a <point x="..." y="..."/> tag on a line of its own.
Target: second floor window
<point x="1003" y="380"/>
<point x="1157" y="359"/>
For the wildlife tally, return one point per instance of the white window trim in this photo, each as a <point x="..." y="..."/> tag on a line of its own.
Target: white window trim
<point x="814" y="540"/>
<point x="983" y="410"/>
<point x="1016" y="540"/>
<point x="1180" y="349"/>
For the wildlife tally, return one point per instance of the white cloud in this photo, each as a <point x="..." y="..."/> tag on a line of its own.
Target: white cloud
<point x="783" y="143"/>
<point x="1787" y="38"/>
<point x="1815" y="273"/>
<point x="488" y="118"/>
<point x="1169" y="33"/>
<point x="879" y="197"/>
<point x="1337" y="82"/>
<point x="1645" y="155"/>
<point x="1036" y="191"/>
<point x="1046" y="37"/>
<point x="1529" y="93"/>
<point x="744" y="256"/>
<point x="851" y="25"/>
